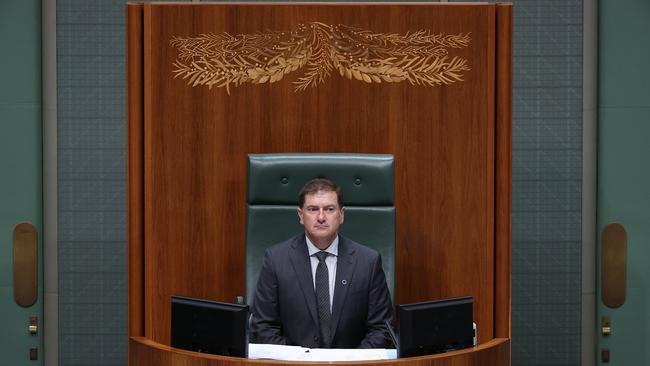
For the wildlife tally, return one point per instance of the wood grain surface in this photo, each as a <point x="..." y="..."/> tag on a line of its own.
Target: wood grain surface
<point x="503" y="193"/>
<point x="135" y="166"/>
<point x="451" y="186"/>
<point x="495" y="352"/>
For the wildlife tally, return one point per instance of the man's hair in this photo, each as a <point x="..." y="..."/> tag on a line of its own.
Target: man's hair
<point x="320" y="185"/>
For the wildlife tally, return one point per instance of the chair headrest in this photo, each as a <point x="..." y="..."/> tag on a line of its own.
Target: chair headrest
<point x="365" y="179"/>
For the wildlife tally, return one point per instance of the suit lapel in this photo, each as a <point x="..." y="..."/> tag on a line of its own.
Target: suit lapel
<point x="344" y="271"/>
<point x="300" y="261"/>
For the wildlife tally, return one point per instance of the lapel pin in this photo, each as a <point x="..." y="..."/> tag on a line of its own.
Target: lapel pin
<point x="344" y="282"/>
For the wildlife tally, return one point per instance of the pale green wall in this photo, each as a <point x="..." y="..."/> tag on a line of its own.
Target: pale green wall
<point x="624" y="59"/>
<point x="20" y="165"/>
<point x="624" y="169"/>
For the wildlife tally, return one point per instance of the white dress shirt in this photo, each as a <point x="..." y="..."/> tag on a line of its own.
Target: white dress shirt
<point x="330" y="261"/>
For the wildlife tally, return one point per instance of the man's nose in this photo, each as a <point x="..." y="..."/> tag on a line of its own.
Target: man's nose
<point x="321" y="215"/>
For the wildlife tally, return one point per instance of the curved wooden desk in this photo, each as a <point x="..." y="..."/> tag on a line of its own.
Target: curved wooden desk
<point x="145" y="352"/>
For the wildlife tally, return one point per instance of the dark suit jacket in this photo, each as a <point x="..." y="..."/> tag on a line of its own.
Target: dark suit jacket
<point x="284" y="308"/>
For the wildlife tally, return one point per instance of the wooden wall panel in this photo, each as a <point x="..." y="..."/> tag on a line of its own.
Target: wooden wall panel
<point x="196" y="140"/>
<point x="503" y="193"/>
<point x="135" y="166"/>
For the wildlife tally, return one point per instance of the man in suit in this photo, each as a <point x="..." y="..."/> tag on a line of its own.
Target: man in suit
<point x="319" y="289"/>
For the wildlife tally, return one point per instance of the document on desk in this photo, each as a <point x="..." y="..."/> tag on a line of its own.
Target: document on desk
<point x="297" y="353"/>
<point x="339" y="354"/>
<point x="275" y="352"/>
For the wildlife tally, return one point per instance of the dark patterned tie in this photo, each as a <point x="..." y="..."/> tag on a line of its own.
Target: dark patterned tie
<point x="323" y="299"/>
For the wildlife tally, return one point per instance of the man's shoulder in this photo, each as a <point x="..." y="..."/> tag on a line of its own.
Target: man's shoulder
<point x="356" y="247"/>
<point x="285" y="245"/>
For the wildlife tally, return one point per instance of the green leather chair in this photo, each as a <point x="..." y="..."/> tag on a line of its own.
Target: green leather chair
<point x="274" y="181"/>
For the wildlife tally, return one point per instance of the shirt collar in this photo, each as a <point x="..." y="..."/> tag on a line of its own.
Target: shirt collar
<point x="333" y="249"/>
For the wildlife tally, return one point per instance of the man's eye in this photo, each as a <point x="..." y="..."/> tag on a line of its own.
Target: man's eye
<point x="330" y="210"/>
<point x="312" y="209"/>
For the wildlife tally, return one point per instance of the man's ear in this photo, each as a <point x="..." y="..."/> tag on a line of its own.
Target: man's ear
<point x="299" y="211"/>
<point x="342" y="215"/>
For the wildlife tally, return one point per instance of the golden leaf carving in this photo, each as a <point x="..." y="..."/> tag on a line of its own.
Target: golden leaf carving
<point x="222" y="60"/>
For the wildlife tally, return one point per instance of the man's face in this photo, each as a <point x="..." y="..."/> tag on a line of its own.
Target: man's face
<point x="321" y="216"/>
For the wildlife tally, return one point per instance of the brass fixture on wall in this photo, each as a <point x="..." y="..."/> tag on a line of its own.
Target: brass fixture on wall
<point x="25" y="264"/>
<point x="614" y="265"/>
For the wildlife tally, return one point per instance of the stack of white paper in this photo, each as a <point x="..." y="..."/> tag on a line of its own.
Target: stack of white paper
<point x="297" y="353"/>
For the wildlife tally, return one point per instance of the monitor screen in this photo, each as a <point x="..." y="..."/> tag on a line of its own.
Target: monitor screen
<point x="209" y="326"/>
<point x="435" y="326"/>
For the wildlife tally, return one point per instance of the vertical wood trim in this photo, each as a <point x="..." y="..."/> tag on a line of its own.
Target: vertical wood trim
<point x="487" y="293"/>
<point x="134" y="97"/>
<point x="503" y="191"/>
<point x="148" y="272"/>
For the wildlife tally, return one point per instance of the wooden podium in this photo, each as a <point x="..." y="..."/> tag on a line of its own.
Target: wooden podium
<point x="146" y="352"/>
<point x="208" y="84"/>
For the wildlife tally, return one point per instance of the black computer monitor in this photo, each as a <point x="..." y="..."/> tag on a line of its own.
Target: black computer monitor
<point x="435" y="326"/>
<point x="209" y="326"/>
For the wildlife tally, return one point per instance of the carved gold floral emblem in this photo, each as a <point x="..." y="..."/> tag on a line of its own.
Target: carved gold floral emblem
<point x="224" y="60"/>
